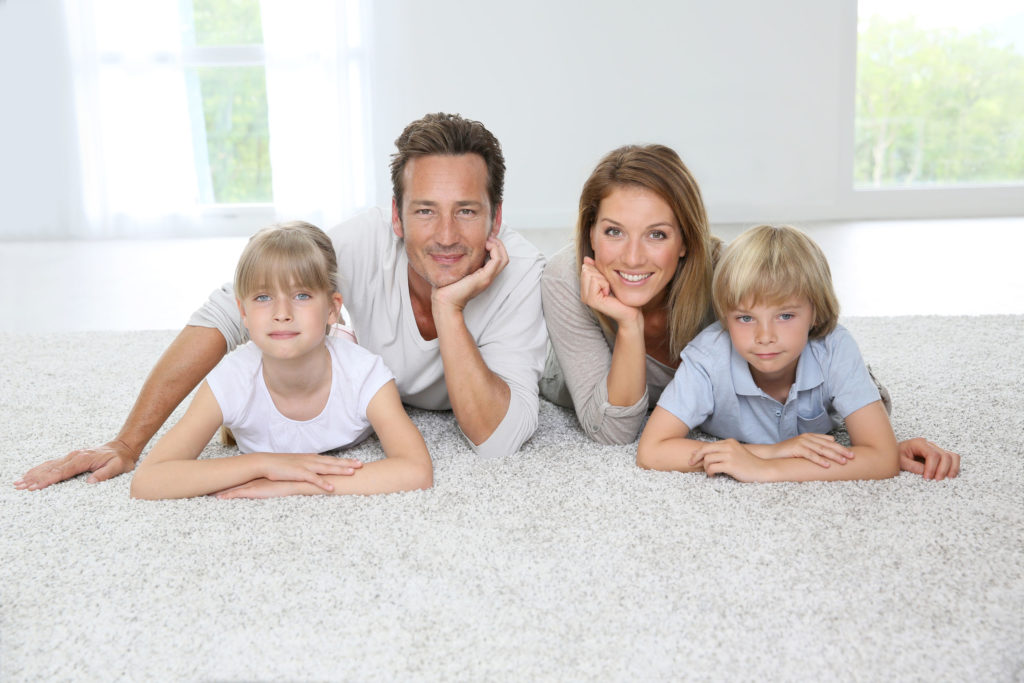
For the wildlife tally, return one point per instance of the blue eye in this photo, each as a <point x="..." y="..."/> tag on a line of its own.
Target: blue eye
<point x="302" y="296"/>
<point x="612" y="232"/>
<point x="658" y="235"/>
<point x="745" y="318"/>
<point x="786" y="316"/>
<point x="261" y="298"/>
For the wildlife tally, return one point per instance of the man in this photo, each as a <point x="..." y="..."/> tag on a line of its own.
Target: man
<point x="449" y="300"/>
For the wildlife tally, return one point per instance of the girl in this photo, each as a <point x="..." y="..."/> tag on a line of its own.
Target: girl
<point x="290" y="394"/>
<point x="771" y="375"/>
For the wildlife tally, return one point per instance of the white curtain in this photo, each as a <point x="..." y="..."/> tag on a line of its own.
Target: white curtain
<point x="316" y="85"/>
<point x="135" y="140"/>
<point x="135" y="129"/>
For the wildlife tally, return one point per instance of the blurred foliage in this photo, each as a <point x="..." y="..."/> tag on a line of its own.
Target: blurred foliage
<point x="227" y="22"/>
<point x="936" y="107"/>
<point x="237" y="137"/>
<point x="234" y="101"/>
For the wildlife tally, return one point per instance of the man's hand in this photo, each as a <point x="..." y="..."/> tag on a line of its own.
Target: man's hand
<point x="106" y="461"/>
<point x="459" y="293"/>
<point x="596" y="292"/>
<point x="818" y="448"/>
<point x="923" y="457"/>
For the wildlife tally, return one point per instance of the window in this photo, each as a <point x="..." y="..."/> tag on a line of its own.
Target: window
<point x="216" y="117"/>
<point x="940" y="94"/>
<point x="226" y="85"/>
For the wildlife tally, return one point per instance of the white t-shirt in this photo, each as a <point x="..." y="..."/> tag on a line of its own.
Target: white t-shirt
<point x="505" y="320"/>
<point x="259" y="427"/>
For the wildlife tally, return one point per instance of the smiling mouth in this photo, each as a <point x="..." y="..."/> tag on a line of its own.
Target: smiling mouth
<point x="633" y="277"/>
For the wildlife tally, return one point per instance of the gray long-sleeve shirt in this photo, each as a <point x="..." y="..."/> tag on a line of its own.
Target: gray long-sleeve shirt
<point x="580" y="357"/>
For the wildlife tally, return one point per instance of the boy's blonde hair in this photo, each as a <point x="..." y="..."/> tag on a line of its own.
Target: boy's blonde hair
<point x="769" y="264"/>
<point x="287" y="254"/>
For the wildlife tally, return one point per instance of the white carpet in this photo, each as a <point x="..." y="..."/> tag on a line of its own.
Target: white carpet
<point x="563" y="562"/>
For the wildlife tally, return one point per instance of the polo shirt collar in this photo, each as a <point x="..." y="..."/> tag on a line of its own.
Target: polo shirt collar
<point x="808" y="373"/>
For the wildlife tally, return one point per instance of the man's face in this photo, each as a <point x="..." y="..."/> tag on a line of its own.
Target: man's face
<point x="445" y="217"/>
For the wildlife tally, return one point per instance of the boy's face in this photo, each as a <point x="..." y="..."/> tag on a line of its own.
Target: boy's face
<point x="771" y="337"/>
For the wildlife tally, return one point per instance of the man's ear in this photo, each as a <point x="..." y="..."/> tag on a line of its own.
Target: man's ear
<point x="396" y="219"/>
<point x="496" y="227"/>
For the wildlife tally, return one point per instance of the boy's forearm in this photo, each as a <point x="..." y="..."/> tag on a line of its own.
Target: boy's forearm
<point x="867" y="463"/>
<point x="670" y="455"/>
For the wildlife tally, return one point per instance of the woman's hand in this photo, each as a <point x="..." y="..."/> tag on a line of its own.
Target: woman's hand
<point x="821" y="449"/>
<point x="596" y="292"/>
<point x="306" y="467"/>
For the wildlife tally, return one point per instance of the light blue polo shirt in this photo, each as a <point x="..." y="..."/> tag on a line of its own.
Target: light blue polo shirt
<point x="714" y="390"/>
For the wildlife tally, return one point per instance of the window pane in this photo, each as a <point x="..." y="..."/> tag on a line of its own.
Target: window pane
<point x="940" y="93"/>
<point x="237" y="141"/>
<point x="227" y="22"/>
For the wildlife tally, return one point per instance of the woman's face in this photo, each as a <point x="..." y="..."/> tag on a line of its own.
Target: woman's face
<point x="637" y="245"/>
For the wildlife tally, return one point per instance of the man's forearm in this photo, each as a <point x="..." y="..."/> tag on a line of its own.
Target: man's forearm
<point x="479" y="397"/>
<point x="189" y="358"/>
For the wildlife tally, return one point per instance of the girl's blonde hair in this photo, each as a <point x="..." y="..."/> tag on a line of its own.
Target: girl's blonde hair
<point x="659" y="169"/>
<point x="284" y="255"/>
<point x="769" y="264"/>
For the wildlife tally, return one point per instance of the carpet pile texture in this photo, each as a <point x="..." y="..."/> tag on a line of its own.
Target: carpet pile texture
<point x="565" y="561"/>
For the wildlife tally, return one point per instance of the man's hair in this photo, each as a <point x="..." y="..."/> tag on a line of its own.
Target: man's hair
<point x="770" y="264"/>
<point x="287" y="254"/>
<point x="449" y="135"/>
<point x="659" y="169"/>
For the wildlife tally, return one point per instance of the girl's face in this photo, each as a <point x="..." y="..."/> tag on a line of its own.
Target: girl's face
<point x="637" y="245"/>
<point x="291" y="323"/>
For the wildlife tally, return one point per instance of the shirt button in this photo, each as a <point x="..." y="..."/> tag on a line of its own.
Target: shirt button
<point x="778" y="413"/>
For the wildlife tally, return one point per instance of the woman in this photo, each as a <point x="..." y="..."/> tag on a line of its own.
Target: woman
<point x="625" y="299"/>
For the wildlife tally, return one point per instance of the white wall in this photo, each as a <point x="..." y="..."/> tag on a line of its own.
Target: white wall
<point x="756" y="96"/>
<point x="38" y="162"/>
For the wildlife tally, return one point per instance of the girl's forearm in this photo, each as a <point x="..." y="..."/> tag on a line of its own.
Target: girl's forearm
<point x="190" y="478"/>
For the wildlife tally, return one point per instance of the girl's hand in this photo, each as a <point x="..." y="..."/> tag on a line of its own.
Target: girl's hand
<point x="596" y="292"/>
<point x="306" y="467"/>
<point x="730" y="457"/>
<point x="818" y="448"/>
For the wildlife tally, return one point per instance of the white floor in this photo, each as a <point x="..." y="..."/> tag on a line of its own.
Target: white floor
<point x="948" y="267"/>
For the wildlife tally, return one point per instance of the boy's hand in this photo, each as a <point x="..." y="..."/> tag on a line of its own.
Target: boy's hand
<point x="106" y="461"/>
<point x="307" y="467"/>
<point x="930" y="461"/>
<point x="818" y="448"/>
<point x="730" y="457"/>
